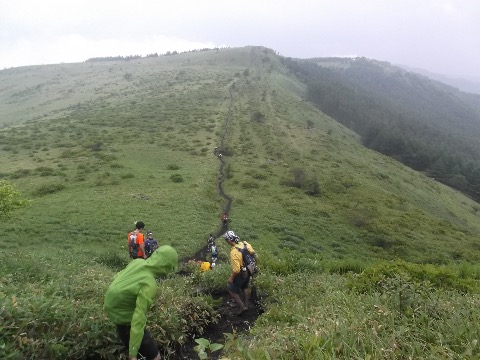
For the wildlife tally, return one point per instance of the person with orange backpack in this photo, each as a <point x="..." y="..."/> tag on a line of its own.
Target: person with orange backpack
<point x="136" y="242"/>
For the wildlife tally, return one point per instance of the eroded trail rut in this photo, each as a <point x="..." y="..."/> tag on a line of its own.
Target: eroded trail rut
<point x="228" y="322"/>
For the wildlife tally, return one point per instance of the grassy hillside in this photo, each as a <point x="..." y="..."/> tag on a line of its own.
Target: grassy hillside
<point x="98" y="145"/>
<point x="426" y="125"/>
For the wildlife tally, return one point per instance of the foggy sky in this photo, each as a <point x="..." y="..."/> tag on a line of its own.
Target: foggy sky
<point x="441" y="36"/>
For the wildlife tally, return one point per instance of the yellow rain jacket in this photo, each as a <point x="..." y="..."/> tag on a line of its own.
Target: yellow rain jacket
<point x="133" y="289"/>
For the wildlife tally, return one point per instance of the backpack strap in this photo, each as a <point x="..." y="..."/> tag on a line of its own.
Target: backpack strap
<point x="242" y="251"/>
<point x="250" y="268"/>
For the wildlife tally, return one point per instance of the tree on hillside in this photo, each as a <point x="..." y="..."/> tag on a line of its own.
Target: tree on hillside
<point x="10" y="200"/>
<point x="312" y="187"/>
<point x="298" y="177"/>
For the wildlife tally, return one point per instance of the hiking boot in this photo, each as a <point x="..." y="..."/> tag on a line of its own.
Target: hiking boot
<point x="241" y="311"/>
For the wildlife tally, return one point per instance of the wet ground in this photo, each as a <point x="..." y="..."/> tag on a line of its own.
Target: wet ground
<point x="229" y="322"/>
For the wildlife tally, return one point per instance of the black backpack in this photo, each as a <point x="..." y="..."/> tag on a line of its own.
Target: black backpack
<point x="249" y="264"/>
<point x="132" y="241"/>
<point x="150" y="246"/>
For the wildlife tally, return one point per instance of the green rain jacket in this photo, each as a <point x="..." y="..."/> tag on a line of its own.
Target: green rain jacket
<point x="133" y="289"/>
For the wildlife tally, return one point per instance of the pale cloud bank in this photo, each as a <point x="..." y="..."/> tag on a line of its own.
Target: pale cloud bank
<point x="437" y="35"/>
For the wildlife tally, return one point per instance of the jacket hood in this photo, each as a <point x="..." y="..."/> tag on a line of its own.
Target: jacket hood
<point x="163" y="261"/>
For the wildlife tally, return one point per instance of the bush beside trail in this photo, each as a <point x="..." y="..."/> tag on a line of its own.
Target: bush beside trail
<point x="63" y="318"/>
<point x="399" y="320"/>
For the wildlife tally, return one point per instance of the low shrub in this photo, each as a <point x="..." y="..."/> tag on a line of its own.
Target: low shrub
<point x="173" y="167"/>
<point x="10" y="200"/>
<point x="45" y="171"/>
<point x="48" y="189"/>
<point x="176" y="178"/>
<point x="374" y="277"/>
<point x="127" y="176"/>
<point x="116" y="166"/>
<point x="69" y="153"/>
<point x="258" y="176"/>
<point x="249" y="184"/>
<point x="345" y="266"/>
<point x="214" y="281"/>
<point x="20" y="173"/>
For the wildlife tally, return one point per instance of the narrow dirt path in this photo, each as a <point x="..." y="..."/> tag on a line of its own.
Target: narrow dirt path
<point x="229" y="322"/>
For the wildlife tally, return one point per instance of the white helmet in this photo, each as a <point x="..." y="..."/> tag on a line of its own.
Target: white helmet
<point x="230" y="236"/>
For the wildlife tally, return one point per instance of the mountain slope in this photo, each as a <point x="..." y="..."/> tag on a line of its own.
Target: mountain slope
<point x="138" y="143"/>
<point x="425" y="124"/>
<point x="463" y="83"/>
<point x="177" y="107"/>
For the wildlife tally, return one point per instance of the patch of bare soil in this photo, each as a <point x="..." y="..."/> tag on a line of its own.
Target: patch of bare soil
<point x="229" y="322"/>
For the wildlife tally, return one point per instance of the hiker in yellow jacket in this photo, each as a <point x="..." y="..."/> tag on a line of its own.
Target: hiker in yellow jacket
<point x="131" y="294"/>
<point x="239" y="280"/>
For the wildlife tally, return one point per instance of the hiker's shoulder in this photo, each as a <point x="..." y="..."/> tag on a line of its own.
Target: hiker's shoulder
<point x="249" y="247"/>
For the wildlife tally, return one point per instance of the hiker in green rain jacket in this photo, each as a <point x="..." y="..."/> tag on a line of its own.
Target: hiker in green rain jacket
<point x="130" y="296"/>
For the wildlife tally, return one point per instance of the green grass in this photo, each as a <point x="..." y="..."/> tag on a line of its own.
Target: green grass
<point x="315" y="316"/>
<point x="104" y="150"/>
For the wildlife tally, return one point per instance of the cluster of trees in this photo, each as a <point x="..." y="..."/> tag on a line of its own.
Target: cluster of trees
<point x="114" y="58"/>
<point x="426" y="125"/>
<point x="133" y="57"/>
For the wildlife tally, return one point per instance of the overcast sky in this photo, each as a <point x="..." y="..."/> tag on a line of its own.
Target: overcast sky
<point x="442" y="36"/>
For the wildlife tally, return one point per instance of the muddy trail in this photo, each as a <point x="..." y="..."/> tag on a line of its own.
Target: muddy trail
<point x="229" y="321"/>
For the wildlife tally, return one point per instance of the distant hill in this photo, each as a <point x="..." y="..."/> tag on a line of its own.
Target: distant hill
<point x="469" y="85"/>
<point x="427" y="125"/>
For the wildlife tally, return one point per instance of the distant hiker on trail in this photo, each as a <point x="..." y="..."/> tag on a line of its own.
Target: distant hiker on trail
<point x="136" y="242"/>
<point x="225" y="218"/>
<point x="210" y="242"/>
<point x="214" y="251"/>
<point x="150" y="244"/>
<point x="131" y="294"/>
<point x="212" y="248"/>
<point x="240" y="278"/>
